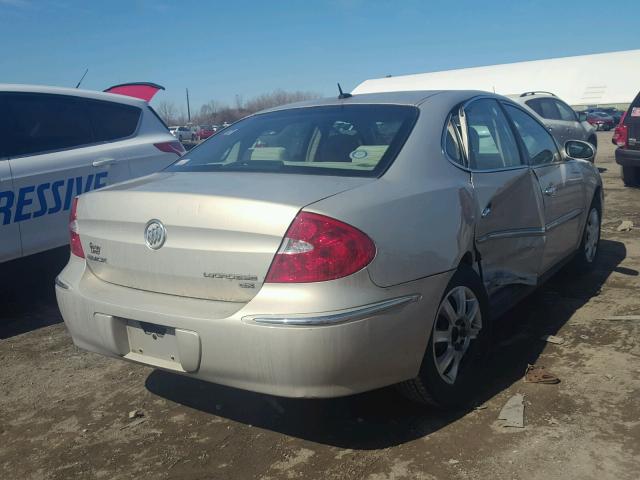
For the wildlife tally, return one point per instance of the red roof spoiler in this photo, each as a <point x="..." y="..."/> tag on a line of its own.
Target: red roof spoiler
<point x="142" y="90"/>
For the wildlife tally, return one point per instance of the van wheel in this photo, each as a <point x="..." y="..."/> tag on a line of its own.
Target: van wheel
<point x="587" y="253"/>
<point x="593" y="140"/>
<point x="631" y="176"/>
<point x="457" y="346"/>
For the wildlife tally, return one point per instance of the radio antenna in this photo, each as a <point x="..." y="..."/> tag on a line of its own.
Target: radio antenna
<point x="342" y="94"/>
<point x="85" y="74"/>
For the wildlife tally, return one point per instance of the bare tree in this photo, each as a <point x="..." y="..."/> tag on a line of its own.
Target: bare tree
<point x="208" y="112"/>
<point x="277" y="98"/>
<point x="168" y="112"/>
<point x="239" y="102"/>
<point x="214" y="112"/>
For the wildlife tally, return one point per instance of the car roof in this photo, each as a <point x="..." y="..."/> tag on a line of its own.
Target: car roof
<point x="410" y="98"/>
<point x="518" y="97"/>
<point x="92" y="94"/>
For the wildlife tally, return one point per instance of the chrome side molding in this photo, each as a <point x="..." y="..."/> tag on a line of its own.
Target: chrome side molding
<point x="331" y="318"/>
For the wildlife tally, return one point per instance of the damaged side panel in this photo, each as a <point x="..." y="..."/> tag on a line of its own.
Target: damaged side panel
<point x="510" y="240"/>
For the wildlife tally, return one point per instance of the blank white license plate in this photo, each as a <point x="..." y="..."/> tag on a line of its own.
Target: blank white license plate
<point x="151" y="340"/>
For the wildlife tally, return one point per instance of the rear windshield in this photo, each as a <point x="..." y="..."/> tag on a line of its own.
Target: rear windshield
<point x="347" y="140"/>
<point x="633" y="114"/>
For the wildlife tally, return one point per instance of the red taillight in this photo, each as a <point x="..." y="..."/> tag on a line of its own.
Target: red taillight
<point x="170" y="147"/>
<point x="621" y="133"/>
<point x="74" y="235"/>
<point x="318" y="248"/>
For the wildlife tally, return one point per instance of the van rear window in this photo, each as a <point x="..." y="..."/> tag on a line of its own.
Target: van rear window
<point x="347" y="140"/>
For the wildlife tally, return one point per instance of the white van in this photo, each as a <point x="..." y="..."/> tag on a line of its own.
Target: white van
<point x="56" y="143"/>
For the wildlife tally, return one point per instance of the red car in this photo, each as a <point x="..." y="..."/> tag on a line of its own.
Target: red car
<point x="601" y="120"/>
<point x="205" y="131"/>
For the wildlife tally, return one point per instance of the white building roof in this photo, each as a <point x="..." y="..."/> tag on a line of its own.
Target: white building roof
<point x="599" y="79"/>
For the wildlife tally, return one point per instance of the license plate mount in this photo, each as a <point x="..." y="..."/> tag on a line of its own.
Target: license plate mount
<point x="153" y="342"/>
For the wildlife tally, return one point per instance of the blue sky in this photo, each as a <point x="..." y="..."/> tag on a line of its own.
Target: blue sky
<point x="220" y="49"/>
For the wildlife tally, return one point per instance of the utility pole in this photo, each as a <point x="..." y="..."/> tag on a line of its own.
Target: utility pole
<point x="188" y="107"/>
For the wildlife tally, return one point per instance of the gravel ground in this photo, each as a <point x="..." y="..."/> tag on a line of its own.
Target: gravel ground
<point x="64" y="413"/>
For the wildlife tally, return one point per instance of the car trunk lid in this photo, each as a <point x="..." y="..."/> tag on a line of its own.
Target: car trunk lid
<point x="222" y="230"/>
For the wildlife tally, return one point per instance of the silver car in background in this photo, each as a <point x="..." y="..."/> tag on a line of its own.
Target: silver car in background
<point x="335" y="246"/>
<point x="561" y="120"/>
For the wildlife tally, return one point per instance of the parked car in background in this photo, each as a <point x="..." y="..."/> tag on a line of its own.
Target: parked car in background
<point x="205" y="131"/>
<point x="561" y="120"/>
<point x="56" y="143"/>
<point x="611" y="111"/>
<point x="627" y="137"/>
<point x="601" y="120"/>
<point x="310" y="267"/>
<point x="184" y="133"/>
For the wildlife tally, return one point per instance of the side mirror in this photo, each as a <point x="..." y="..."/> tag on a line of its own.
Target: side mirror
<point x="582" y="116"/>
<point x="580" y="150"/>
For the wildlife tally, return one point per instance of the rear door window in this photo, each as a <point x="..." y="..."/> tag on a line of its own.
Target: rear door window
<point x="539" y="144"/>
<point x="112" y="121"/>
<point x="565" y="111"/>
<point x="350" y="140"/>
<point x="492" y="144"/>
<point x="44" y="123"/>
<point x="545" y="107"/>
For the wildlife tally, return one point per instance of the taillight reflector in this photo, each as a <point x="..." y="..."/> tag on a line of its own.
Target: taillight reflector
<point x="317" y="248"/>
<point x="621" y="133"/>
<point x="74" y="234"/>
<point x="171" y="147"/>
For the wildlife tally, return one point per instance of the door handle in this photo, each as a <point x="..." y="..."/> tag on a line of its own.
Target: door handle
<point x="487" y="211"/>
<point x="103" y="162"/>
<point x="550" y="190"/>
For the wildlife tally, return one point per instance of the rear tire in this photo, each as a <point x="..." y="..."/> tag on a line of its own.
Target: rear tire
<point x="631" y="176"/>
<point x="587" y="253"/>
<point x="457" y="346"/>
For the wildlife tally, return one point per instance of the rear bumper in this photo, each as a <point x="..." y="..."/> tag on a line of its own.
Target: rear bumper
<point x="627" y="157"/>
<point x="367" y="346"/>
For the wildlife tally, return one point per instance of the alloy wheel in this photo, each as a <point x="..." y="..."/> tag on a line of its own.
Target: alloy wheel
<point x="458" y="323"/>
<point x="592" y="235"/>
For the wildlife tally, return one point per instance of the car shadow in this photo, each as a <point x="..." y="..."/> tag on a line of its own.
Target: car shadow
<point x="517" y="335"/>
<point x="383" y="418"/>
<point x="27" y="295"/>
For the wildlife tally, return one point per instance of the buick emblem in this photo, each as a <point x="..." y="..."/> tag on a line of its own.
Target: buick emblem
<point x="155" y="234"/>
